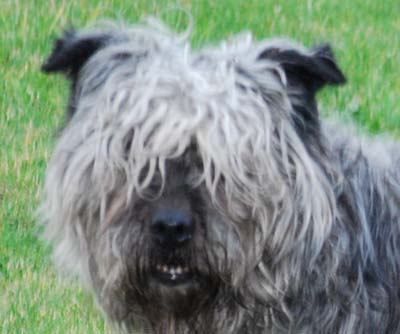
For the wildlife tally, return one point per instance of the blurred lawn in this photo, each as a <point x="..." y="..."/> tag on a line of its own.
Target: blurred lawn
<point x="364" y="33"/>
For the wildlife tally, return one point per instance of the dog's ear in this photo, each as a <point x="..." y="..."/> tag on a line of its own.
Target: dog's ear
<point x="306" y="72"/>
<point x="311" y="70"/>
<point x="71" y="51"/>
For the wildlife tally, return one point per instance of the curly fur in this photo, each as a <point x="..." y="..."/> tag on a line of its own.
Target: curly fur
<point x="299" y="218"/>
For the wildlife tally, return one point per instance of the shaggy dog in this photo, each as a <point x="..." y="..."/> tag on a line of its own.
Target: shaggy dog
<point x="198" y="191"/>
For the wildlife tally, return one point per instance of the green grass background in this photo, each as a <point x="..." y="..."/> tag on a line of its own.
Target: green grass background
<point x="365" y="35"/>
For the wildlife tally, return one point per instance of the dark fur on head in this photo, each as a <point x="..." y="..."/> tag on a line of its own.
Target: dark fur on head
<point x="199" y="191"/>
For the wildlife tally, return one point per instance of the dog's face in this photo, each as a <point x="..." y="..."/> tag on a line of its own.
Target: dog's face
<point x="168" y="182"/>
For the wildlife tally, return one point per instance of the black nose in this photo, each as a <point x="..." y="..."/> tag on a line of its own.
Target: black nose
<point x="172" y="228"/>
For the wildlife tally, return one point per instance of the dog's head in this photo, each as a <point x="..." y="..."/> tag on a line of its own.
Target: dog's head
<point x="183" y="175"/>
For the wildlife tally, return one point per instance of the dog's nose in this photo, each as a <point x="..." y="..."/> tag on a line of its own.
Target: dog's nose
<point x="172" y="228"/>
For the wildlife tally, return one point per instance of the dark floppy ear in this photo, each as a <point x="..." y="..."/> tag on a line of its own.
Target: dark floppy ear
<point x="311" y="70"/>
<point x="71" y="51"/>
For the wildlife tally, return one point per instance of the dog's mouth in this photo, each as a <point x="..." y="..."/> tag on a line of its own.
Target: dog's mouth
<point x="172" y="273"/>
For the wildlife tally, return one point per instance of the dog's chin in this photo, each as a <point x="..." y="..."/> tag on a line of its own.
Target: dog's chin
<point x="174" y="293"/>
<point x="175" y="287"/>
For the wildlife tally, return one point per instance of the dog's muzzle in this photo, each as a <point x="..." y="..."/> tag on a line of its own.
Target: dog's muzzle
<point x="172" y="232"/>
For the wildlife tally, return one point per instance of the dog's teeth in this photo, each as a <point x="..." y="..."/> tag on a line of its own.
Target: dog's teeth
<point x="172" y="270"/>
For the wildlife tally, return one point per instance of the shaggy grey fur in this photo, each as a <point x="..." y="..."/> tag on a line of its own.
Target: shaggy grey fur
<point x="297" y="220"/>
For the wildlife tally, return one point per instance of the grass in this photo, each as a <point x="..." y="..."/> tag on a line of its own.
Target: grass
<point x="364" y="33"/>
